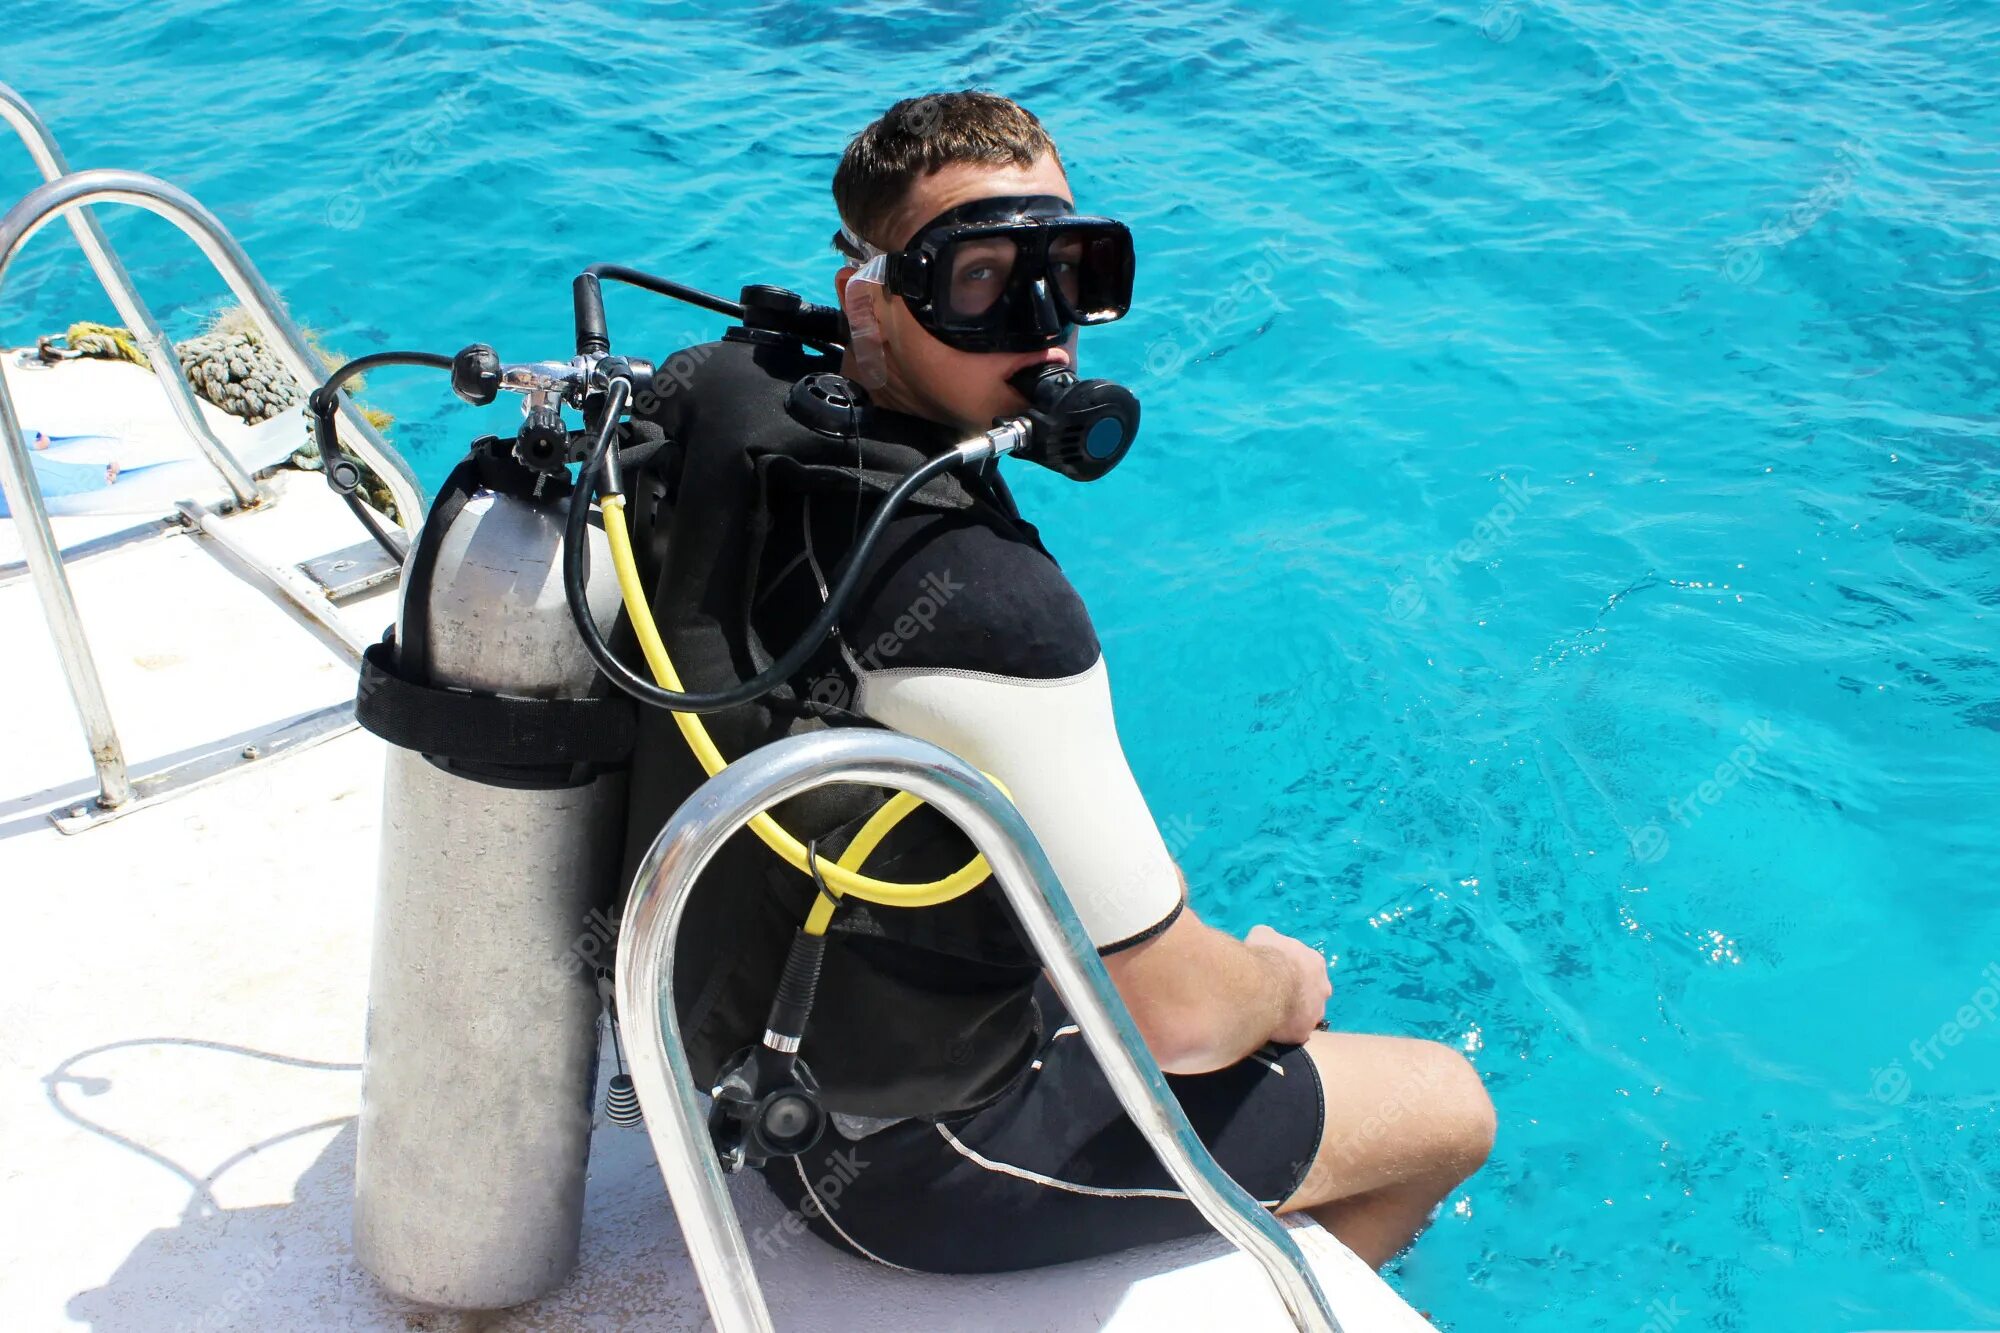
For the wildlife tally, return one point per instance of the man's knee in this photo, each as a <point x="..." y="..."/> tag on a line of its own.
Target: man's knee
<point x="1462" y="1115"/>
<point x="1402" y="1114"/>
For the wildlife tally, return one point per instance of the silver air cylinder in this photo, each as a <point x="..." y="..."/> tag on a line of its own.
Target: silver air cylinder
<point x="483" y="1011"/>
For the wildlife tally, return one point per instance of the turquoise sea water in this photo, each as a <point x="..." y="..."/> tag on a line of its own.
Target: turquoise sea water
<point x="1560" y="574"/>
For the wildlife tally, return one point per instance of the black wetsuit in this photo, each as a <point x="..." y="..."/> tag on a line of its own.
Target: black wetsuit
<point x="967" y="633"/>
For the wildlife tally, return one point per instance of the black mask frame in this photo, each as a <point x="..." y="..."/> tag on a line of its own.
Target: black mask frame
<point x="1034" y="310"/>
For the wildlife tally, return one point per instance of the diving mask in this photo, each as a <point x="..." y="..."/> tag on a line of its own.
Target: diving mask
<point x="1013" y="273"/>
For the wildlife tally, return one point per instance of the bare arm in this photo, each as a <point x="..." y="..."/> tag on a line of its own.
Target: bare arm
<point x="1204" y="1000"/>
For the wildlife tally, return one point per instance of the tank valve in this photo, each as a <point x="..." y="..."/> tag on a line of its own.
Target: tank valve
<point x="475" y="374"/>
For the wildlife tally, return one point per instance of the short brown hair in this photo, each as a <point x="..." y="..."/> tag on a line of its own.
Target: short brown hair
<point x="921" y="135"/>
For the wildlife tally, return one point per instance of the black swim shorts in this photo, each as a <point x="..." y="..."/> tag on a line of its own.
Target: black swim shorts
<point x="1053" y="1171"/>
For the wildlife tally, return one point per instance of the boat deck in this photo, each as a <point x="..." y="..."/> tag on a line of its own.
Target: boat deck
<point x="185" y="989"/>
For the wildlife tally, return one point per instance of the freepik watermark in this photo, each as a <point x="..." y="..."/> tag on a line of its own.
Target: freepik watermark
<point x="1890" y="1084"/>
<point x="227" y="1310"/>
<point x="1742" y="762"/>
<point x="1413" y="1092"/>
<point x="673" y="374"/>
<point x="1662" y="1316"/>
<point x="1168" y="353"/>
<point x="938" y="588"/>
<point x="1983" y="507"/>
<point x="1020" y="32"/>
<point x="347" y="209"/>
<point x="1407" y="600"/>
<point x="1651" y="842"/>
<point x="592" y="951"/>
<point x="822" y="1200"/>
<point x="1742" y="260"/>
<point x="1179" y="833"/>
<point x="1502" y="22"/>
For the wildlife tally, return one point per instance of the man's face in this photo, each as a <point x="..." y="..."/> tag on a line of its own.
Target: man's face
<point x="966" y="390"/>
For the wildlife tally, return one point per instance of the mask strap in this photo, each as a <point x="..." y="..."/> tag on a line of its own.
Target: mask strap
<point x="854" y="240"/>
<point x="864" y="349"/>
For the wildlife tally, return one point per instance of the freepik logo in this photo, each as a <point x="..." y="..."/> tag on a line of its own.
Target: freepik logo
<point x="1742" y="762"/>
<point x="1407" y="600"/>
<point x="347" y="209"/>
<point x="1983" y="507"/>
<point x="920" y="618"/>
<point x="1892" y="1084"/>
<point x="1651" y="842"/>
<point x="1662" y="1316"/>
<point x="822" y="1200"/>
<point x="1410" y="1095"/>
<point x="1167" y="354"/>
<point x="673" y="374"/>
<point x="1742" y="260"/>
<point x="228" y="1310"/>
<point x="1501" y="22"/>
<point x="592" y="951"/>
<point x="1179" y="833"/>
<point x="938" y="589"/>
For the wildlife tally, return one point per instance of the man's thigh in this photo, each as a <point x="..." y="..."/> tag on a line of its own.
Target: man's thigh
<point x="1054" y="1171"/>
<point x="1398" y="1110"/>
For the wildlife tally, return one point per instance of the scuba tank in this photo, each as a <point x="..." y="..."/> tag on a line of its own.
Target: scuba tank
<point x="505" y="802"/>
<point x="503" y="809"/>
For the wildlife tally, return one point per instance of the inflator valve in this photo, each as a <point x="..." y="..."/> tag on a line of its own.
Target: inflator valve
<point x="767" y="1103"/>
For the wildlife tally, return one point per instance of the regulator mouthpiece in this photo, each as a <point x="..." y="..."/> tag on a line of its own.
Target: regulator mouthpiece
<point x="1082" y="427"/>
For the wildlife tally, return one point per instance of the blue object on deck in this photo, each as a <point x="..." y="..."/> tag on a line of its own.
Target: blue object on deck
<point x="67" y="466"/>
<point x="144" y="473"/>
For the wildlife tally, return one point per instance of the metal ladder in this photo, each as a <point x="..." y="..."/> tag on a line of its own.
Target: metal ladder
<point x="67" y="194"/>
<point x="666" y="1084"/>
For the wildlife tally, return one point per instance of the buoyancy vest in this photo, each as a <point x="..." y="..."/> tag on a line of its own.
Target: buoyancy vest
<point x="919" y="1012"/>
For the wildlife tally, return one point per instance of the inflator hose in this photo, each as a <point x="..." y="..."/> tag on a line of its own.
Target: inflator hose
<point x="842" y="877"/>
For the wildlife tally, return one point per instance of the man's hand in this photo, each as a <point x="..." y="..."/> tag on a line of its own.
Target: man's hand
<point x="1203" y="999"/>
<point x="1310" y="985"/>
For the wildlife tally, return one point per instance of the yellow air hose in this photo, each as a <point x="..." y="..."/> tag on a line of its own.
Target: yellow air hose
<point x="841" y="878"/>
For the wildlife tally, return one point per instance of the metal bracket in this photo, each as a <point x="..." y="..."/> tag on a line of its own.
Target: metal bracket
<point x="291" y="588"/>
<point x="17" y="570"/>
<point x="351" y="571"/>
<point x="299" y="733"/>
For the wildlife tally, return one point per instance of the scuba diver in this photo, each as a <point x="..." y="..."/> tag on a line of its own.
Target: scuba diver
<point x="969" y="1128"/>
<point x="798" y="526"/>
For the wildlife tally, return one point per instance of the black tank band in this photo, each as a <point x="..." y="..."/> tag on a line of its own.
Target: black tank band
<point x="462" y="727"/>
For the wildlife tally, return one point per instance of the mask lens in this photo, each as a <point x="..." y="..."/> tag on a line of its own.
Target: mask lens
<point x="1066" y="260"/>
<point x="1102" y="285"/>
<point x="980" y="271"/>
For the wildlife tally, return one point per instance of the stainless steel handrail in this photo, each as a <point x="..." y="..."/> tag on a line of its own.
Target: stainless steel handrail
<point x="665" y="1082"/>
<point x="83" y="188"/>
<point x="17" y="477"/>
<point x="117" y="283"/>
